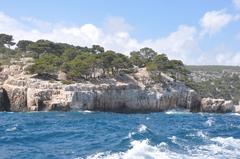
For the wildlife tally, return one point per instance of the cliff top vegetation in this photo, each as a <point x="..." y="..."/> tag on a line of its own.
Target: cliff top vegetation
<point x="86" y="63"/>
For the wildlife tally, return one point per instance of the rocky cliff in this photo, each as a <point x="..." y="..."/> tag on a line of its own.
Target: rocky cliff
<point x="125" y="94"/>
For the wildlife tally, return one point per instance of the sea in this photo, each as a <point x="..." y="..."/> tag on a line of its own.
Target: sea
<point x="103" y="135"/>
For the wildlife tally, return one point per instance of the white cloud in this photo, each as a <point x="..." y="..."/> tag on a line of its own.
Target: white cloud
<point x="182" y="44"/>
<point x="213" y="21"/>
<point x="177" y="44"/>
<point x="219" y="55"/>
<point x="237" y="3"/>
<point x="226" y="56"/>
<point x="228" y="59"/>
<point x="32" y="22"/>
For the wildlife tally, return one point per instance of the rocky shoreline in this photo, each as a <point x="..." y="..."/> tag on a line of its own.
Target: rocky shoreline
<point x="20" y="92"/>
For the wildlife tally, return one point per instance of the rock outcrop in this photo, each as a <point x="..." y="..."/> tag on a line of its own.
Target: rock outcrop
<point x="217" y="105"/>
<point x="137" y="93"/>
<point x="31" y="94"/>
<point x="237" y="108"/>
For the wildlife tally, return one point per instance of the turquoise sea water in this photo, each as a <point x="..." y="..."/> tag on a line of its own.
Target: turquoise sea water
<point x="84" y="134"/>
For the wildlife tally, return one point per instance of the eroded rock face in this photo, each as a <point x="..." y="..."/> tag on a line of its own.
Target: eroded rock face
<point x="217" y="105"/>
<point x="131" y="100"/>
<point x="17" y="97"/>
<point x="46" y="100"/>
<point x="193" y="101"/>
<point x="125" y="94"/>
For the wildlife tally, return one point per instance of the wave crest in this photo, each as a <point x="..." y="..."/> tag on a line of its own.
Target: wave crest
<point x="142" y="128"/>
<point x="139" y="150"/>
<point x="218" y="147"/>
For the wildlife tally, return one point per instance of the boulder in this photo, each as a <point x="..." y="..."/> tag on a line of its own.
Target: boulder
<point x="237" y="109"/>
<point x="217" y="105"/>
<point x="62" y="76"/>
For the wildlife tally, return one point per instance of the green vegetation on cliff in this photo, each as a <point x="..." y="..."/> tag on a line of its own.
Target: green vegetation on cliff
<point x="216" y="81"/>
<point x="84" y="63"/>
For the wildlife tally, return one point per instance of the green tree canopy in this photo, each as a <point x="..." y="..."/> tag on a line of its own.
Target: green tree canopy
<point x="136" y="59"/>
<point x="46" y="64"/>
<point x="97" y="49"/>
<point x="147" y="54"/>
<point x="6" y="40"/>
<point x="45" y="46"/>
<point x="23" y="45"/>
<point x="142" y="57"/>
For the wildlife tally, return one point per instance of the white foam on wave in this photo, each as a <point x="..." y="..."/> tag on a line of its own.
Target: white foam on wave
<point x="199" y="133"/>
<point x="11" y="129"/>
<point x="173" y="139"/>
<point x="4" y="112"/>
<point x="142" y="128"/>
<point x="85" y="111"/>
<point x="14" y="128"/>
<point x="174" y="111"/>
<point x="235" y="114"/>
<point x="227" y="147"/>
<point x="210" y="121"/>
<point x="139" y="150"/>
<point x="130" y="134"/>
<point x="218" y="147"/>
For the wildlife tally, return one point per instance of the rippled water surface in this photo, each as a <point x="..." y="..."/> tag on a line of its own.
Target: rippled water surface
<point x="87" y="134"/>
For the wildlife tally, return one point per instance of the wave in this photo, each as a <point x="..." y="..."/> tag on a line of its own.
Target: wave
<point x="140" y="150"/>
<point x="235" y="114"/>
<point x="173" y="139"/>
<point x="227" y="147"/>
<point x="175" y="111"/>
<point x="85" y="111"/>
<point x="130" y="134"/>
<point x="142" y="128"/>
<point x="218" y="148"/>
<point x="210" y="121"/>
<point x="199" y="133"/>
<point x="11" y="129"/>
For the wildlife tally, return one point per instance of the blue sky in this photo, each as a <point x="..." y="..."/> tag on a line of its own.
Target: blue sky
<point x="195" y="31"/>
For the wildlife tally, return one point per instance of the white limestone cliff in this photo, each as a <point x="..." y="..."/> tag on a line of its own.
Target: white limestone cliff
<point x="118" y="95"/>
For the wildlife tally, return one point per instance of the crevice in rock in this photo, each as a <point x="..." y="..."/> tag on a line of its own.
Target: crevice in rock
<point x="4" y="101"/>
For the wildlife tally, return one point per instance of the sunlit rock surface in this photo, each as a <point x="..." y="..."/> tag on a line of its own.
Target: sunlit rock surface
<point x="126" y="93"/>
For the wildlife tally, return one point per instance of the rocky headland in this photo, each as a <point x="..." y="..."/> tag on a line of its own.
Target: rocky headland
<point x="48" y="76"/>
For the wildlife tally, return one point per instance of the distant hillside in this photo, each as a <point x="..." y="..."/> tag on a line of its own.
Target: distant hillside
<point x="216" y="81"/>
<point x="212" y="68"/>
